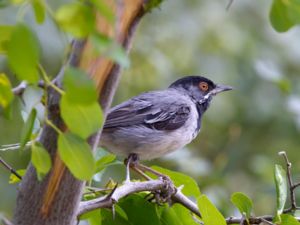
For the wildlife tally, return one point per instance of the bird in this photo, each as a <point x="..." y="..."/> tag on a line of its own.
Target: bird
<point x="156" y="123"/>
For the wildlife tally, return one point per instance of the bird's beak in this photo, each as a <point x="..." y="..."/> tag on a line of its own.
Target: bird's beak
<point x="220" y="88"/>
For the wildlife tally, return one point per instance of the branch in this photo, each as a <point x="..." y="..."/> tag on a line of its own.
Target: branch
<point x="7" y="166"/>
<point x="269" y="219"/>
<point x="19" y="90"/>
<point x="54" y="202"/>
<point x="6" y="221"/>
<point x="109" y="200"/>
<point x="291" y="184"/>
<point x="229" y="4"/>
<point x="253" y="220"/>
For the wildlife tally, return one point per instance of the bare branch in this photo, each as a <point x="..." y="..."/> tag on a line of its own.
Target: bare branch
<point x="20" y="88"/>
<point x="253" y="220"/>
<point x="130" y="188"/>
<point x="229" y="4"/>
<point x="7" y="166"/>
<point x="290" y="182"/>
<point x="6" y="221"/>
<point x="18" y="91"/>
<point x="186" y="202"/>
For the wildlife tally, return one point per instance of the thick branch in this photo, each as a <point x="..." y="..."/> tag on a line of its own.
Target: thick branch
<point x="107" y="201"/>
<point x="55" y="200"/>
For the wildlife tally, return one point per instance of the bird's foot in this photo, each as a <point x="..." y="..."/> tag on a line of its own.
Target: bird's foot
<point x="164" y="194"/>
<point x="131" y="161"/>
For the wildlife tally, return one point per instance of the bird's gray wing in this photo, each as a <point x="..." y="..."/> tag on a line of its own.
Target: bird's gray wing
<point x="152" y="110"/>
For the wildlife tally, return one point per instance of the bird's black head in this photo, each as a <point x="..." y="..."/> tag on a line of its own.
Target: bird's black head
<point x="200" y="89"/>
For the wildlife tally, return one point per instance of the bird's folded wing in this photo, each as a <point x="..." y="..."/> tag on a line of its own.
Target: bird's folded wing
<point x="156" y="112"/>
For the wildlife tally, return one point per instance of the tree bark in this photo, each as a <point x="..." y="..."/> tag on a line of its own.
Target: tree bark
<point x="55" y="200"/>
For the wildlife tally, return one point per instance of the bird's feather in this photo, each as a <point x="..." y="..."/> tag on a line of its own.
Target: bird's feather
<point x="170" y="114"/>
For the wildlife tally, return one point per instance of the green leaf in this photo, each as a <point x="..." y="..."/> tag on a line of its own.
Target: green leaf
<point x="39" y="10"/>
<point x="104" y="9"/>
<point x="13" y="179"/>
<point x="5" y="34"/>
<point x="23" y="54"/>
<point x="190" y="185"/>
<point x="81" y="119"/>
<point x="281" y="187"/>
<point x="104" y="161"/>
<point x="40" y="159"/>
<point x="94" y="217"/>
<point x="152" y="4"/>
<point x="109" y="219"/>
<point x="293" y="9"/>
<point x="109" y="48"/>
<point x="184" y="215"/>
<point x="28" y="128"/>
<point x="284" y="85"/>
<point x="4" y="3"/>
<point x="288" y="220"/>
<point x="169" y="217"/>
<point x="6" y="95"/>
<point x="76" y="18"/>
<point x="242" y="202"/>
<point x="279" y="16"/>
<point x="17" y="2"/>
<point x="79" y="87"/>
<point x="7" y="112"/>
<point x="119" y="55"/>
<point x="77" y="155"/>
<point x="210" y="214"/>
<point x="137" y="209"/>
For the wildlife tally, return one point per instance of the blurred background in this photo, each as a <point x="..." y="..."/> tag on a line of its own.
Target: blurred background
<point x="243" y="130"/>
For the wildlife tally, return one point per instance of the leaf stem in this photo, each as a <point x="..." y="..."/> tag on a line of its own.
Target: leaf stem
<point x="53" y="126"/>
<point x="48" y="81"/>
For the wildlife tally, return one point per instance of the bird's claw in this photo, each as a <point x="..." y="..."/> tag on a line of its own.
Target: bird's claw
<point x="164" y="194"/>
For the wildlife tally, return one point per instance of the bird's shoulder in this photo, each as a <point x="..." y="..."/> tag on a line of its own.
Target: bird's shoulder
<point x="161" y="110"/>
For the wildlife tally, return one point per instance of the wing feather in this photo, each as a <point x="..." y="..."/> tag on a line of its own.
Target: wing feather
<point x="154" y="110"/>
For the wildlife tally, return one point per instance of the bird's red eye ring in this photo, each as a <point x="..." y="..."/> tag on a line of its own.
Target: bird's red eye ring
<point x="203" y="86"/>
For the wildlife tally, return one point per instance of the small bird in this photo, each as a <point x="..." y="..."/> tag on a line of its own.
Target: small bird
<point x="156" y="123"/>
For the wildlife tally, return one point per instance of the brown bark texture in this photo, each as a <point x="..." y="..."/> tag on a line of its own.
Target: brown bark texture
<point x="55" y="199"/>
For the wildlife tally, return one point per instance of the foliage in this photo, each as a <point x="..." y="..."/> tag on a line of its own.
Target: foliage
<point x="243" y="203"/>
<point x="79" y="102"/>
<point x="285" y="14"/>
<point x="83" y="116"/>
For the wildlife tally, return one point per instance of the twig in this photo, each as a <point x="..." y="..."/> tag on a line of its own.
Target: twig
<point x="16" y="146"/>
<point x="229" y="4"/>
<point x="290" y="182"/>
<point x="19" y="90"/>
<point x="7" y="166"/>
<point x="130" y="188"/>
<point x="266" y="221"/>
<point x="6" y="221"/>
<point x="254" y="220"/>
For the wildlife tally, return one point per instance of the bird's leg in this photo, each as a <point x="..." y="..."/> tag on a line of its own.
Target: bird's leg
<point x="129" y="161"/>
<point x="160" y="196"/>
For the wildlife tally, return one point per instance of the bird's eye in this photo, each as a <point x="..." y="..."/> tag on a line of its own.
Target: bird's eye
<point x="203" y="86"/>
